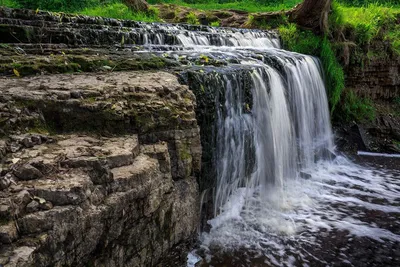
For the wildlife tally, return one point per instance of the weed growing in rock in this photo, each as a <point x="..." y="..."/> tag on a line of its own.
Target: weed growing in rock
<point x="191" y="18"/>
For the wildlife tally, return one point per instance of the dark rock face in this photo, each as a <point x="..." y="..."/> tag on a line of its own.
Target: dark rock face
<point x="378" y="80"/>
<point x="128" y="199"/>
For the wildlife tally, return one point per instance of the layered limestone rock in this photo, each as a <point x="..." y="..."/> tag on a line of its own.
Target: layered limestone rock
<point x="378" y="80"/>
<point x="97" y="169"/>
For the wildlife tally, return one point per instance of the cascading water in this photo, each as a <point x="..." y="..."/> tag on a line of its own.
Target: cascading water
<point x="279" y="196"/>
<point x="289" y="126"/>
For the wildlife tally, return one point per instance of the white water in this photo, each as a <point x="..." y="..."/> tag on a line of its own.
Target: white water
<point x="189" y="36"/>
<point x="261" y="203"/>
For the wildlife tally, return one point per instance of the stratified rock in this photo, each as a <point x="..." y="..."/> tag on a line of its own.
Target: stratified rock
<point x="131" y="198"/>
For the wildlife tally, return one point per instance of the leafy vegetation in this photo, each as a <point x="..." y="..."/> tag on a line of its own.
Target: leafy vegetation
<point x="356" y="108"/>
<point x="374" y="21"/>
<point x="57" y="5"/>
<point x="191" y="18"/>
<point x="361" y="3"/>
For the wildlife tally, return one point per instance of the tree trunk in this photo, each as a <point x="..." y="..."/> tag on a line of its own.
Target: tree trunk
<point x="137" y="5"/>
<point x="312" y="14"/>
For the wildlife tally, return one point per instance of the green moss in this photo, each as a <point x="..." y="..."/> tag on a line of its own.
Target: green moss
<point x="245" y="5"/>
<point x="78" y="63"/>
<point x="184" y="152"/>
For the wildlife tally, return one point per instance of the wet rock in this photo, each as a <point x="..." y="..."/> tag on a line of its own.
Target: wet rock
<point x="37" y="139"/>
<point x="305" y="175"/>
<point x="27" y="172"/>
<point x="21" y="200"/>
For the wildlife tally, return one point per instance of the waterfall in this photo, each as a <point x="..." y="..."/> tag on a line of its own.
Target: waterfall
<point x="278" y="196"/>
<point x="285" y="127"/>
<point x="288" y="127"/>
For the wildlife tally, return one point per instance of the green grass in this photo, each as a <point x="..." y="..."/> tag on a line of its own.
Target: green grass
<point x="9" y="3"/>
<point x="111" y="9"/>
<point x="374" y="21"/>
<point x="244" y="5"/>
<point x="120" y="11"/>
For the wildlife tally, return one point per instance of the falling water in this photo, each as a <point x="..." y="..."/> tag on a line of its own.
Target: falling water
<point x="280" y="193"/>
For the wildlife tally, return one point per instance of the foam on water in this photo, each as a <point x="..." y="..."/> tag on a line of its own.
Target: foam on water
<point x="304" y="208"/>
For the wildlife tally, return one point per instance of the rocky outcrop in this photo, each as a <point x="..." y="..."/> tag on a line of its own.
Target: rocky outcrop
<point x="97" y="170"/>
<point x="379" y="79"/>
<point x="225" y="18"/>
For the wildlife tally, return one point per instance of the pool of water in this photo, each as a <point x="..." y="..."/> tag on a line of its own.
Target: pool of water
<point x="336" y="213"/>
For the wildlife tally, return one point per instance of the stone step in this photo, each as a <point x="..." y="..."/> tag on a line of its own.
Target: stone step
<point x="142" y="176"/>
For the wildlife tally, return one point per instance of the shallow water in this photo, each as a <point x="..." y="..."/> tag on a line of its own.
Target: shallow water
<point x="341" y="214"/>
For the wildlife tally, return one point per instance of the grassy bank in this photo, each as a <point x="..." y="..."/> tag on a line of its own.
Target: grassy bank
<point x="111" y="8"/>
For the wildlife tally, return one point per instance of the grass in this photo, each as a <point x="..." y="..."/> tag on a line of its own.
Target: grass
<point x="111" y="9"/>
<point x="243" y="5"/>
<point x="370" y="22"/>
<point x="120" y="11"/>
<point x="9" y="3"/>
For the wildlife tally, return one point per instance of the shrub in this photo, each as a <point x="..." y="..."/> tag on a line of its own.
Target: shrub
<point x="215" y="24"/>
<point x="191" y="18"/>
<point x="356" y="108"/>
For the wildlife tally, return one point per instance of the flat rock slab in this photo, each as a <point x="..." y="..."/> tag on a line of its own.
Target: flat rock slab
<point x="118" y="102"/>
